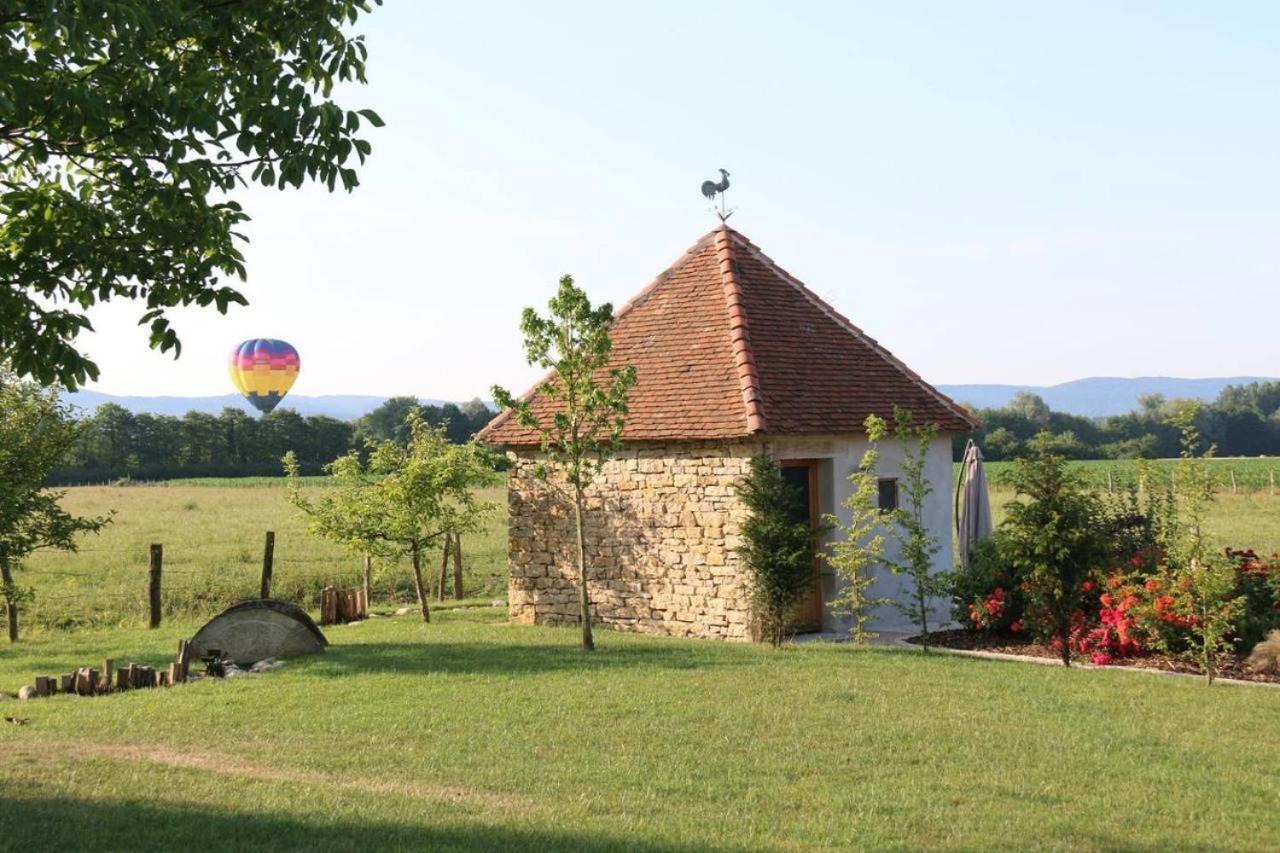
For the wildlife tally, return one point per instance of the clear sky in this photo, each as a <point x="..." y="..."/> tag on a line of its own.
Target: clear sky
<point x="999" y="192"/>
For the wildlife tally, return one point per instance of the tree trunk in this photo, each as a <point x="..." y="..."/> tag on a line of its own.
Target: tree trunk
<point x="924" y="620"/>
<point x="444" y="567"/>
<point x="367" y="579"/>
<point x="10" y="603"/>
<point x="457" y="566"/>
<point x="416" y="556"/>
<point x="584" y="601"/>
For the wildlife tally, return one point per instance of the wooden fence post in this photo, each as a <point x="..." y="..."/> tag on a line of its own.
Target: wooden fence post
<point x="10" y="603"/>
<point x="444" y="567"/>
<point x="326" y="606"/>
<point x="157" y="558"/>
<point x="1233" y="481"/>
<point x="457" y="566"/>
<point x="367" y="579"/>
<point x="268" y="563"/>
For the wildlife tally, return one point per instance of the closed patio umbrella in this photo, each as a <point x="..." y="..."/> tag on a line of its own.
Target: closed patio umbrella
<point x="973" y="506"/>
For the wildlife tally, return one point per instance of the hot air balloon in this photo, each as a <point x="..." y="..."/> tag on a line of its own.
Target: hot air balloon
<point x="263" y="369"/>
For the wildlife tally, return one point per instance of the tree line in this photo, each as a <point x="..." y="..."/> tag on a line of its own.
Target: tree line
<point x="1244" y="420"/>
<point x="113" y="443"/>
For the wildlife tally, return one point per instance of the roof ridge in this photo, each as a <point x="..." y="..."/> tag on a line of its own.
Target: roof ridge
<point x="739" y="333"/>
<point x="648" y="290"/>
<point x="849" y="326"/>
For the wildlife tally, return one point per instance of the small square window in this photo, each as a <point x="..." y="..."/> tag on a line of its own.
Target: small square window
<point x="888" y="494"/>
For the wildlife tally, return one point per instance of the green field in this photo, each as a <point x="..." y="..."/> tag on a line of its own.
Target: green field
<point x="1252" y="474"/>
<point x="1248" y="517"/>
<point x="471" y="734"/>
<point x="212" y="533"/>
<point x="1245" y="520"/>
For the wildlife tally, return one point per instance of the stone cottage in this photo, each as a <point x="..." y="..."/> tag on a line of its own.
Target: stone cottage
<point x="731" y="354"/>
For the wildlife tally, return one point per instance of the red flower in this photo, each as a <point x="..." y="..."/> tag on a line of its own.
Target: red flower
<point x="1087" y="586"/>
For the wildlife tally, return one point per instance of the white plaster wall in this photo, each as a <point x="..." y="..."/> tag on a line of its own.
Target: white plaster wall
<point x="839" y="456"/>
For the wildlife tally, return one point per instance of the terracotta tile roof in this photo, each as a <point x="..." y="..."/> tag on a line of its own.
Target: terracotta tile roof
<point x="726" y="344"/>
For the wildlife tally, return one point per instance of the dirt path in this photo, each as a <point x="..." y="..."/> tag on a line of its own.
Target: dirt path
<point x="230" y="765"/>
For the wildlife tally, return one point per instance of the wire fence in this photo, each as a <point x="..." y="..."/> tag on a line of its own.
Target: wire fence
<point x="101" y="587"/>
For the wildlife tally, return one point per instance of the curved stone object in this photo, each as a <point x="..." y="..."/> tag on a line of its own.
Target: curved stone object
<point x="255" y="630"/>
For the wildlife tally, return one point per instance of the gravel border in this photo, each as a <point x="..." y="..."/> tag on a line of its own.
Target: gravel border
<point x="905" y="643"/>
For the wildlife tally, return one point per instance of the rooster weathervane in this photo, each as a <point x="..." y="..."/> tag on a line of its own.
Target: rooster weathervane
<point x="711" y="189"/>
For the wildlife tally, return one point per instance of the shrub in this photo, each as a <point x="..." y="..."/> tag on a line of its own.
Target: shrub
<point x="1258" y="584"/>
<point x="1136" y="528"/>
<point x="778" y="551"/>
<point x="1201" y="599"/>
<point x="988" y="595"/>
<point x="1055" y="541"/>
<point x="1265" y="657"/>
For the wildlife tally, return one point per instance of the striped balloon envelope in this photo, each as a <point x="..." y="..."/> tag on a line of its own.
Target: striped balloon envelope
<point x="263" y="369"/>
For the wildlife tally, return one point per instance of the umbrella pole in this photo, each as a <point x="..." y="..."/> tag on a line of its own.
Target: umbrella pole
<point x="964" y="459"/>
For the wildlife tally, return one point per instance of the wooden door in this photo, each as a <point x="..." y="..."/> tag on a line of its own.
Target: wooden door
<point x="803" y="474"/>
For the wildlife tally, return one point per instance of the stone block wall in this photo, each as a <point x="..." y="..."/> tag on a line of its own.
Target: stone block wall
<point x="662" y="526"/>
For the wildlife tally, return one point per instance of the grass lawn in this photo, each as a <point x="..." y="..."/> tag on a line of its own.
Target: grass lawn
<point x="473" y="734"/>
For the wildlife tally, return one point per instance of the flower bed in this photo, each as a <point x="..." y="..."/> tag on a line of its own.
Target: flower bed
<point x="1135" y="615"/>
<point x="1128" y="579"/>
<point x="1006" y="643"/>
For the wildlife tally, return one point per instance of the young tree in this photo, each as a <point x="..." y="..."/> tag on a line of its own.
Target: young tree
<point x="1192" y="490"/>
<point x="860" y="545"/>
<point x="345" y="512"/>
<point x="916" y="546"/>
<point x="1201" y="584"/>
<point x="36" y="433"/>
<point x="589" y="399"/>
<point x="1054" y="536"/>
<point x="125" y="130"/>
<point x="406" y="498"/>
<point x="778" y="549"/>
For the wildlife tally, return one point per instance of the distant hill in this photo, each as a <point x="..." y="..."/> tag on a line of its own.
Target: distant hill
<point x="345" y="407"/>
<point x="1098" y="396"/>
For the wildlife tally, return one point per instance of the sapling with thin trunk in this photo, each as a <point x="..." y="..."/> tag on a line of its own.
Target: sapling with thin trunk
<point x="581" y="427"/>
<point x="859" y="548"/>
<point x="916" y="546"/>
